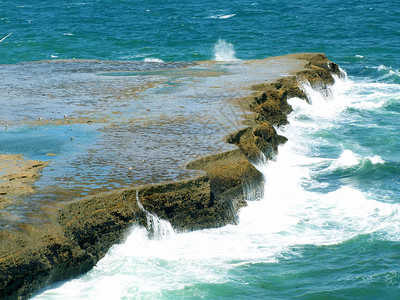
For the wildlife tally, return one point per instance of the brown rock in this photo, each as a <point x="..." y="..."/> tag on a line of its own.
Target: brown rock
<point x="79" y="233"/>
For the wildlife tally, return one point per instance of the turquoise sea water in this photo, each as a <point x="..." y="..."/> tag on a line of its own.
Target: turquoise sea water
<point x="329" y="224"/>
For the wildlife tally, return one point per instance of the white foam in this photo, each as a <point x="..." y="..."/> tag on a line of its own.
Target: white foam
<point x="387" y="72"/>
<point x="382" y="68"/>
<point x="224" y="51"/>
<point x="153" y="59"/>
<point x="372" y="95"/>
<point x="323" y="104"/>
<point x="288" y="216"/>
<point x="347" y="94"/>
<point x="347" y="159"/>
<point x="376" y="159"/>
<point x="222" y="16"/>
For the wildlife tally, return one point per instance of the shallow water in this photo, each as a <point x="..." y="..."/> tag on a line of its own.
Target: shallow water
<point x="106" y="125"/>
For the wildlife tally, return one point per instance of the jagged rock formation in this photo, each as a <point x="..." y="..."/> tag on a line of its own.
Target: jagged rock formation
<point x="79" y="233"/>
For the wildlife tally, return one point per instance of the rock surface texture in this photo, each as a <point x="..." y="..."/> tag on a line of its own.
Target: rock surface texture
<point x="17" y="176"/>
<point x="76" y="234"/>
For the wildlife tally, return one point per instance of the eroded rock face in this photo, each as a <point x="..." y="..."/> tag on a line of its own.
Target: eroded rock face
<point x="79" y="233"/>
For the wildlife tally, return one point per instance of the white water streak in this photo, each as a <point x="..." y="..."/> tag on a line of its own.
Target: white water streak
<point x="6" y="37"/>
<point x="222" y="16"/>
<point x="157" y="227"/>
<point x="153" y="59"/>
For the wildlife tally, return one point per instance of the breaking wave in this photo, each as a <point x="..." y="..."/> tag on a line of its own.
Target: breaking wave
<point x="291" y="215"/>
<point x="152" y="59"/>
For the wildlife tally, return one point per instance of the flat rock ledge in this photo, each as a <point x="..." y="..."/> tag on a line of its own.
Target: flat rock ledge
<point x="17" y="176"/>
<point x="80" y="232"/>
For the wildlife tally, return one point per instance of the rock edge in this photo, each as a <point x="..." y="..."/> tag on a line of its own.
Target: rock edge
<point x="80" y="232"/>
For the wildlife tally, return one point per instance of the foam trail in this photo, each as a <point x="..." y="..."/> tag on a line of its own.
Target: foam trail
<point x="224" y="51"/>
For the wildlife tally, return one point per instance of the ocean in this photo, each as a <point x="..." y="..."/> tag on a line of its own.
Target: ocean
<point x="328" y="225"/>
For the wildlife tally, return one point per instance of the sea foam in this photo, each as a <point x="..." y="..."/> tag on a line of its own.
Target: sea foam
<point x="224" y="51"/>
<point x="153" y="59"/>
<point x="288" y="217"/>
<point x="222" y="16"/>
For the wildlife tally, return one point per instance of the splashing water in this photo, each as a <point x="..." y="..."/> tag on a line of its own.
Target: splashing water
<point x="224" y="51"/>
<point x="158" y="228"/>
<point x="297" y="210"/>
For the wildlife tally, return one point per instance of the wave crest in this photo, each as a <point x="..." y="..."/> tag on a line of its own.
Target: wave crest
<point x="152" y="59"/>
<point x="222" y="16"/>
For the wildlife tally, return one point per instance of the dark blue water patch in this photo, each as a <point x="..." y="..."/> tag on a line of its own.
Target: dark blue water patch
<point x="35" y="142"/>
<point x="229" y="290"/>
<point x="365" y="132"/>
<point x="386" y="74"/>
<point x="374" y="130"/>
<point x="327" y="145"/>
<point x="380" y="117"/>
<point x="362" y="268"/>
<point x="366" y="170"/>
<point x="176" y="30"/>
<point x="376" y="179"/>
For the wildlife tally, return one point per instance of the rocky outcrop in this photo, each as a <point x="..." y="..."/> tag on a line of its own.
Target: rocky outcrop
<point x="77" y="234"/>
<point x="17" y="176"/>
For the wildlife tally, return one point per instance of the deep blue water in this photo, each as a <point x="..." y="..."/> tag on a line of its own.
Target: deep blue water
<point x="188" y="30"/>
<point x="338" y="230"/>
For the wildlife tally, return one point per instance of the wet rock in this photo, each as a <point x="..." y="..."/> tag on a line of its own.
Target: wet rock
<point x="17" y="176"/>
<point x="76" y="234"/>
